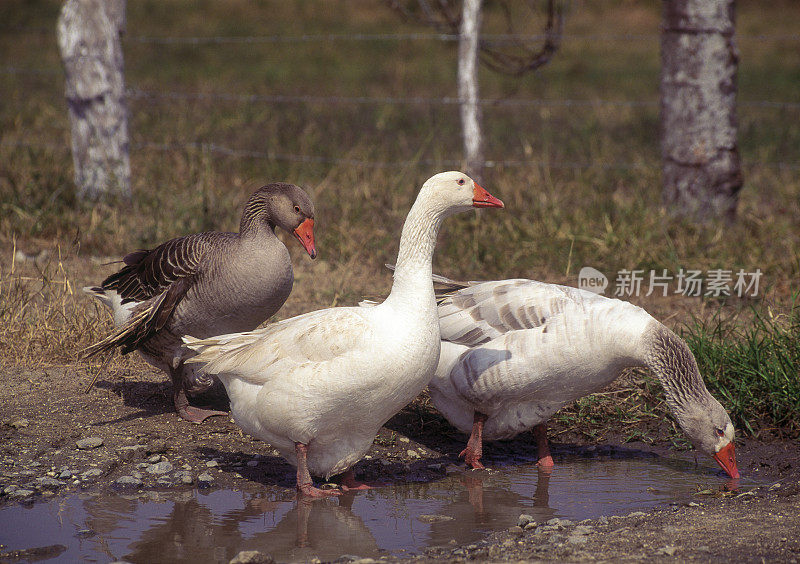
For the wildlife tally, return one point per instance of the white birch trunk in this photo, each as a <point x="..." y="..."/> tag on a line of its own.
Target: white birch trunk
<point x="701" y="167"/>
<point x="468" y="87"/>
<point x="89" y="39"/>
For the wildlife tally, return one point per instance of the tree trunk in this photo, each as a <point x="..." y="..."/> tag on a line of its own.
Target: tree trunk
<point x="468" y="87"/>
<point x="701" y="168"/>
<point x="89" y="39"/>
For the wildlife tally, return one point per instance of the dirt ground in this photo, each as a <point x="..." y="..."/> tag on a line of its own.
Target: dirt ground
<point x="46" y="411"/>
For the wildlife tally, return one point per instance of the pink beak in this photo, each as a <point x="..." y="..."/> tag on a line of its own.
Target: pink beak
<point x="483" y="199"/>
<point x="305" y="234"/>
<point x="726" y="458"/>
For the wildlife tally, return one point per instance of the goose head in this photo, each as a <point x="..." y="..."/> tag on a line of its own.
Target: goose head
<point x="283" y="205"/>
<point x="701" y="417"/>
<point x="710" y="429"/>
<point x="451" y="192"/>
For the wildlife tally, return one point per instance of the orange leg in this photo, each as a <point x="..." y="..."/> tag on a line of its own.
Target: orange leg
<point x="305" y="485"/>
<point x="472" y="454"/>
<point x="543" y="448"/>
<point x="189" y="412"/>
<point x="348" y="482"/>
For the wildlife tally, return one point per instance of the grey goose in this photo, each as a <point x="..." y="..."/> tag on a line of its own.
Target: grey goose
<point x="205" y="284"/>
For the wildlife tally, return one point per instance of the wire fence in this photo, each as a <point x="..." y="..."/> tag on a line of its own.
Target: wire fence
<point x="413" y="36"/>
<point x="212" y="148"/>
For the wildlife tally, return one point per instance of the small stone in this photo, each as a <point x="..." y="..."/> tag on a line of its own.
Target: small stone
<point x="128" y="453"/>
<point x="435" y="518"/>
<point x="516" y="530"/>
<point x="212" y="464"/>
<point x="20" y="493"/>
<point x="48" y="482"/>
<point x="252" y="463"/>
<point x="577" y="539"/>
<point x="774" y="486"/>
<point x="19" y="423"/>
<point x="91" y="473"/>
<point x="161" y="468"/>
<point x="691" y="504"/>
<point x="137" y="475"/>
<point x="155" y="459"/>
<point x="524" y="520"/>
<point x="127" y="483"/>
<point x="157" y="446"/>
<point x="187" y="479"/>
<point x="412" y="454"/>
<point x="10" y="489"/>
<point x="668" y="550"/>
<point x="529" y="526"/>
<point x="637" y="514"/>
<point x="89" y="443"/>
<point x="403" y="439"/>
<point x="252" y="557"/>
<point x="205" y="480"/>
<point x="582" y="530"/>
<point x="65" y="475"/>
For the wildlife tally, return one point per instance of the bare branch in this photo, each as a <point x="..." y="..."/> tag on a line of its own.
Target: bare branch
<point x="513" y="55"/>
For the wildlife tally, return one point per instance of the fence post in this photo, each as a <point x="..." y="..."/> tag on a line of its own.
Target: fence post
<point x="468" y="87"/>
<point x="89" y="40"/>
<point x="701" y="167"/>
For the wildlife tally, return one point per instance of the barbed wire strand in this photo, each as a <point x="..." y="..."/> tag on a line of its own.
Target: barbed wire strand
<point x="415" y="100"/>
<point x="408" y="36"/>
<point x="213" y="148"/>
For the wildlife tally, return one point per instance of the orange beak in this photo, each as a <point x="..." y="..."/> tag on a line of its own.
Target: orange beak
<point x="483" y="199"/>
<point x="726" y="458"/>
<point x="305" y="234"/>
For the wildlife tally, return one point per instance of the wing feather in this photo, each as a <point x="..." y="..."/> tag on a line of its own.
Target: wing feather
<point x="258" y="356"/>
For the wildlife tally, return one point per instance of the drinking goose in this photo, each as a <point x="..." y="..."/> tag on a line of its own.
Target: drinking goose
<point x="205" y="284"/>
<point x="319" y="386"/>
<point x="516" y="351"/>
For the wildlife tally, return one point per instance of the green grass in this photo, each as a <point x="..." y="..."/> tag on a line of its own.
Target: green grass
<point x="753" y="367"/>
<point x="558" y="218"/>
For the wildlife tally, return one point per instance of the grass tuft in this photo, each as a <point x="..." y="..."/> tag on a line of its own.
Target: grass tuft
<point x="753" y="367"/>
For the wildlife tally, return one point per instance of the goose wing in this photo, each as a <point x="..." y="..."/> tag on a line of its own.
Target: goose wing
<point x="316" y="338"/>
<point x="481" y="311"/>
<point x="148" y="273"/>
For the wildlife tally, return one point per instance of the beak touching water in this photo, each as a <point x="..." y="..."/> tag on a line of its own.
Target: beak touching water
<point x="726" y="458"/>
<point x="305" y="234"/>
<point x="483" y="199"/>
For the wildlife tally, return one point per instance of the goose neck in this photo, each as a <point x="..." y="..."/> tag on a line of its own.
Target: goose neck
<point x="670" y="359"/>
<point x="413" y="276"/>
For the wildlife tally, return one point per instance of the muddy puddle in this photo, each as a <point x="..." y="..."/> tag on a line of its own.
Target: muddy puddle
<point x="213" y="526"/>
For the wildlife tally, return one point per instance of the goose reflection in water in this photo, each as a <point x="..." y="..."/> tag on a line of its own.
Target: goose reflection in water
<point x="194" y="531"/>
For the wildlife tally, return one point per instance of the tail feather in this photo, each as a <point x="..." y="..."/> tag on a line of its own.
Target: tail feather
<point x="99" y="293"/>
<point x="128" y="336"/>
<point x="442" y="286"/>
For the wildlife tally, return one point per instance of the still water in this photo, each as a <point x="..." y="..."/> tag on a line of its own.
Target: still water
<point x="197" y="527"/>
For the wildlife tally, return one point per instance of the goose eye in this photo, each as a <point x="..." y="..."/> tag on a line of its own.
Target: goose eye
<point x="461" y="181"/>
<point x="720" y="432"/>
<point x="297" y="209"/>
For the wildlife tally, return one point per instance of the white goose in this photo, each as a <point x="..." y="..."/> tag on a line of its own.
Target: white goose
<point x="516" y="351"/>
<point x="319" y="386"/>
